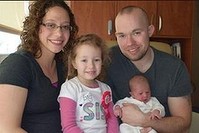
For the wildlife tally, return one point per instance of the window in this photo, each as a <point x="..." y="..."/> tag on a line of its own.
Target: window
<point x="11" y="25"/>
<point x="8" y="42"/>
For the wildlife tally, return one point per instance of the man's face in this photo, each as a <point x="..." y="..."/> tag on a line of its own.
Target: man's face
<point x="132" y="33"/>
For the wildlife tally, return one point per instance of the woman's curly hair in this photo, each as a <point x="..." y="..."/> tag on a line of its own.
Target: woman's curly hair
<point x="30" y="33"/>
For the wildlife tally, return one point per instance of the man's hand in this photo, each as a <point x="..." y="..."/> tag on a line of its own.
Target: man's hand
<point x="132" y="115"/>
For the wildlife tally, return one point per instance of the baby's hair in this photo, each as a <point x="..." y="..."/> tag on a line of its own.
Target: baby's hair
<point x="138" y="77"/>
<point x="92" y="40"/>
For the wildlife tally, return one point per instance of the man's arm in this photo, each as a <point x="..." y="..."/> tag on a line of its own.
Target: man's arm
<point x="179" y="122"/>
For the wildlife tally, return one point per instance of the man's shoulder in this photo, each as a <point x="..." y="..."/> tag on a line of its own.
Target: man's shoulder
<point x="115" y="49"/>
<point x="116" y="55"/>
<point x="165" y="57"/>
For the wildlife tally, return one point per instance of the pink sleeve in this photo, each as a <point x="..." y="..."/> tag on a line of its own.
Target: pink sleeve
<point x="68" y="115"/>
<point x="112" y="122"/>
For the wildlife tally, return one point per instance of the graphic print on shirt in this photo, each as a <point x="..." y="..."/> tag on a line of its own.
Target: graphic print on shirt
<point x="90" y="107"/>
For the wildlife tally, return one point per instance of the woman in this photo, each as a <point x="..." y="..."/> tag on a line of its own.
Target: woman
<point x="30" y="79"/>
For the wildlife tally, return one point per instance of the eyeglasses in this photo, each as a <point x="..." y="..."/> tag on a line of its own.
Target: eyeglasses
<point x="53" y="27"/>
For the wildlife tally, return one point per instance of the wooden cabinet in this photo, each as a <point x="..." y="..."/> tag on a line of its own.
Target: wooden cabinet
<point x="170" y="18"/>
<point x="193" y="49"/>
<point x="93" y="17"/>
<point x="174" y="19"/>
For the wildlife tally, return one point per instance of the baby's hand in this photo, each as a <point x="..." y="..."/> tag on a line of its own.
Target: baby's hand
<point x="155" y="114"/>
<point x="145" y="130"/>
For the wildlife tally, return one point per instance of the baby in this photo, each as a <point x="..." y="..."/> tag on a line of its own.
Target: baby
<point x="140" y="96"/>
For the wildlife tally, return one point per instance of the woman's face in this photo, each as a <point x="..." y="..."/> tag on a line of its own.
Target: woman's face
<point x="54" y="31"/>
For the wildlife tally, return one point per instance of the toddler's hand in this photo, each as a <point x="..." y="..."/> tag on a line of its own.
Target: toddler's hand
<point x="118" y="112"/>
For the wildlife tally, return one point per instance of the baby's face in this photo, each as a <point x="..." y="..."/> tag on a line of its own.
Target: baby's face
<point x="141" y="92"/>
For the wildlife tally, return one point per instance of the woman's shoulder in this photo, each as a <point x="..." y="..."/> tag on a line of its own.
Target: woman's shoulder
<point x="16" y="69"/>
<point x="18" y="57"/>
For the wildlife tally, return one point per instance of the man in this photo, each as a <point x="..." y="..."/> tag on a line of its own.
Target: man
<point x="168" y="75"/>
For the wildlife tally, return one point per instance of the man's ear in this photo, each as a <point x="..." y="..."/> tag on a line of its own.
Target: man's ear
<point x="151" y="30"/>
